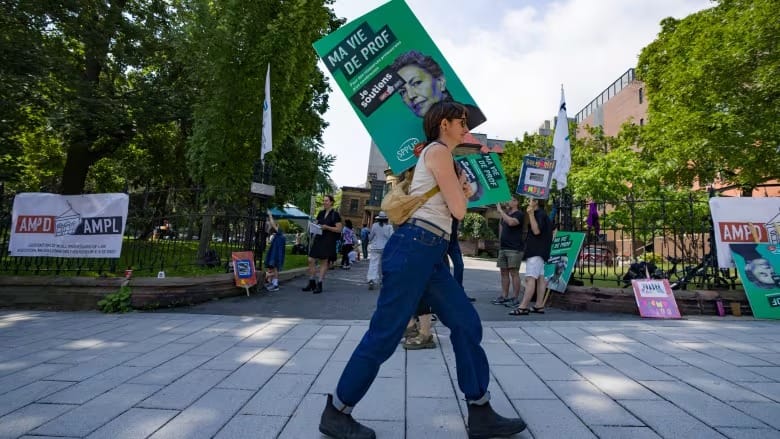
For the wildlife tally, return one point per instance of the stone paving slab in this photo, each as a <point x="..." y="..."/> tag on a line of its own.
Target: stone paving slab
<point x="173" y="375"/>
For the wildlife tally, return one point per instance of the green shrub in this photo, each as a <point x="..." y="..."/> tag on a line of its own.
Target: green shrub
<point x="652" y="258"/>
<point x="475" y="226"/>
<point x="116" y="302"/>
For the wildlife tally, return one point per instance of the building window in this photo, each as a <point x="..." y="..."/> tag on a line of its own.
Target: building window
<point x="641" y="95"/>
<point x="377" y="191"/>
<point x="641" y="122"/>
<point x="353" y="205"/>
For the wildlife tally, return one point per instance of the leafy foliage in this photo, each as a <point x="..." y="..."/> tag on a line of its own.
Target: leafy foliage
<point x="475" y="226"/>
<point x="712" y="86"/>
<point x="102" y="96"/>
<point x="116" y="302"/>
<point x="230" y="44"/>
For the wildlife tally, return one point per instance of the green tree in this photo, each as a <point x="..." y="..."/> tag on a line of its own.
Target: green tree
<point x="712" y="84"/>
<point x="475" y="226"/>
<point x="231" y="42"/>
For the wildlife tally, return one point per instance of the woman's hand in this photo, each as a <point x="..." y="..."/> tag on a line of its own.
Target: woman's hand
<point x="468" y="191"/>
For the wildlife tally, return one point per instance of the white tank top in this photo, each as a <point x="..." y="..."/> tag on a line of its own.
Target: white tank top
<point x="434" y="210"/>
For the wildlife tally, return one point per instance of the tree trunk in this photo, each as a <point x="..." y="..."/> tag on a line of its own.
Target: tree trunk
<point x="74" y="175"/>
<point x="205" y="231"/>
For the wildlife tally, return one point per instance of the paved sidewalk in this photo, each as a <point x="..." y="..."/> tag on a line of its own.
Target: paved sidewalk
<point x="176" y="375"/>
<point x="347" y="297"/>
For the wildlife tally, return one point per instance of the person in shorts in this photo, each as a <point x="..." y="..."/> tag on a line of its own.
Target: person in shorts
<point x="510" y="253"/>
<point x="537" y="252"/>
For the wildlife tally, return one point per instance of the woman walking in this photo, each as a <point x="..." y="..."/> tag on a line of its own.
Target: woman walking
<point x="413" y="267"/>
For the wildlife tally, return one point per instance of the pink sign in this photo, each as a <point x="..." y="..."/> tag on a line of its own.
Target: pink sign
<point x="655" y="299"/>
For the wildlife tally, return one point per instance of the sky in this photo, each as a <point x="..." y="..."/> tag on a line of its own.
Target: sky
<point x="513" y="56"/>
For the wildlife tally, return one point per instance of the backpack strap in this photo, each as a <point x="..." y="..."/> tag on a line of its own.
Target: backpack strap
<point x="431" y="192"/>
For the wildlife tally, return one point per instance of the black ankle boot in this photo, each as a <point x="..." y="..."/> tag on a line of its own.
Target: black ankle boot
<point x="339" y="425"/>
<point x="485" y="423"/>
<point x="317" y="288"/>
<point x="310" y="286"/>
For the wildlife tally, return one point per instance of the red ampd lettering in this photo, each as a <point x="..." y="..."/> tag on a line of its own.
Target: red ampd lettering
<point x="34" y="224"/>
<point x="741" y="232"/>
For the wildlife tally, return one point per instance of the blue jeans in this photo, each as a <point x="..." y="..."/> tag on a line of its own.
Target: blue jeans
<point x="412" y="267"/>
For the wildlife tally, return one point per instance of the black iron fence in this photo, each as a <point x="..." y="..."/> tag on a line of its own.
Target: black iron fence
<point x="186" y="231"/>
<point x="666" y="237"/>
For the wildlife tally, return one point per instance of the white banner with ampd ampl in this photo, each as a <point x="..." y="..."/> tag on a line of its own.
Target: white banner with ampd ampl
<point x="68" y="226"/>
<point x="743" y="220"/>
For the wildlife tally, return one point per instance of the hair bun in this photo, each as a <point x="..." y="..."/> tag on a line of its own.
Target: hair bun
<point x="418" y="148"/>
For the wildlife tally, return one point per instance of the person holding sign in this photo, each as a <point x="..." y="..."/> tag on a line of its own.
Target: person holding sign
<point x="274" y="258"/>
<point x="413" y="268"/>
<point x="510" y="252"/>
<point x="537" y="252"/>
<point x="323" y="249"/>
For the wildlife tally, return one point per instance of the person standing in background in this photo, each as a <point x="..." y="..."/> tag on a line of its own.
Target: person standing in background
<point x="537" y="252"/>
<point x="510" y="253"/>
<point x="274" y="257"/>
<point x="377" y="238"/>
<point x="364" y="232"/>
<point x="323" y="248"/>
<point x="347" y="244"/>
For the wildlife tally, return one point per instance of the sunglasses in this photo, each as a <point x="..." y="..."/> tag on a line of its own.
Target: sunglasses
<point x="462" y="121"/>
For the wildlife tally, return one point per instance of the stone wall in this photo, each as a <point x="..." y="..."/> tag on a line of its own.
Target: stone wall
<point x="622" y="300"/>
<point x="83" y="293"/>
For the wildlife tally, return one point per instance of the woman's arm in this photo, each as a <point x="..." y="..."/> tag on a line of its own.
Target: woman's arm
<point x="271" y="221"/>
<point x="509" y="220"/>
<point x="438" y="159"/>
<point x="532" y="221"/>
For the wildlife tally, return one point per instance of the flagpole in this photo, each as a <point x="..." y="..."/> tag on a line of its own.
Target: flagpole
<point x="267" y="132"/>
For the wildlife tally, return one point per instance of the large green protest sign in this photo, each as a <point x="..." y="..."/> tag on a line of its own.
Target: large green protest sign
<point x="759" y="270"/>
<point x="392" y="73"/>
<point x="486" y="177"/>
<point x="563" y="257"/>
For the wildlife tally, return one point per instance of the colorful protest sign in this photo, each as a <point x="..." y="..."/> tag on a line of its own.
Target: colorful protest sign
<point x="392" y="72"/>
<point x="534" y="181"/>
<point x="563" y="257"/>
<point x="744" y="220"/>
<point x="68" y="226"/>
<point x="655" y="299"/>
<point x="244" y="270"/>
<point x="759" y="270"/>
<point x="486" y="177"/>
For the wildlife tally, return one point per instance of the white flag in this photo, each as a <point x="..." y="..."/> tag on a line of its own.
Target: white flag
<point x="267" y="145"/>
<point x="562" y="145"/>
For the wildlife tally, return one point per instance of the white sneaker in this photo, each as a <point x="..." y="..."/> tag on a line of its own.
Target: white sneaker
<point x="272" y="287"/>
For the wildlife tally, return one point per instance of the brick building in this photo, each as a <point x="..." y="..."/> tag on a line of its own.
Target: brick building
<point x="625" y="100"/>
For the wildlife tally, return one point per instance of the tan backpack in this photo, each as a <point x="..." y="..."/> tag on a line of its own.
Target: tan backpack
<point x="399" y="205"/>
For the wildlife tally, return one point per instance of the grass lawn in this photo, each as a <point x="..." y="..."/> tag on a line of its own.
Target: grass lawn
<point x="146" y="258"/>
